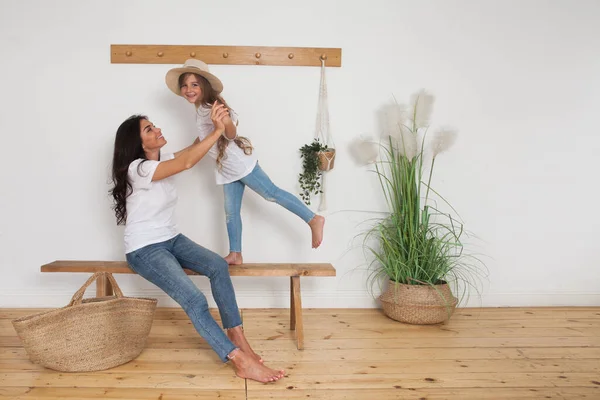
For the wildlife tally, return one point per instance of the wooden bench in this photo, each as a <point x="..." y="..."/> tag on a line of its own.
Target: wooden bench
<point x="294" y="271"/>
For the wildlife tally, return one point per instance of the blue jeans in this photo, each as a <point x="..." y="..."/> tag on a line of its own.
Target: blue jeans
<point x="258" y="181"/>
<point x="162" y="264"/>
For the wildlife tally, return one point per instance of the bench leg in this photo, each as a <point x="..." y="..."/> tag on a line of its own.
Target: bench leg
<point x="292" y="308"/>
<point x="296" y="311"/>
<point x="103" y="287"/>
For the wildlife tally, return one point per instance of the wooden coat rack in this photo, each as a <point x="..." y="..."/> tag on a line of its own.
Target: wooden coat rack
<point x="236" y="55"/>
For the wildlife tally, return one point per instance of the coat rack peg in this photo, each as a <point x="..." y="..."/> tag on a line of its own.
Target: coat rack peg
<point x="226" y="55"/>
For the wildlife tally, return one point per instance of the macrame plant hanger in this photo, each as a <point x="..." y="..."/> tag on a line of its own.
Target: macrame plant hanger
<point x="323" y="134"/>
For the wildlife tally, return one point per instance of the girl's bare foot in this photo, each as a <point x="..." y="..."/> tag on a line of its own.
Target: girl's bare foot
<point x="316" y="226"/>
<point x="247" y="367"/>
<point x="234" y="258"/>
<point x="236" y="335"/>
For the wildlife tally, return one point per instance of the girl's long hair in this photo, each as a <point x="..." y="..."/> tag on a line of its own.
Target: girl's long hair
<point x="128" y="148"/>
<point x="207" y="99"/>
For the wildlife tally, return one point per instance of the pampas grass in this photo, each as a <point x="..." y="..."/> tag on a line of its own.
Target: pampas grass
<point x="364" y="150"/>
<point x="416" y="242"/>
<point x="442" y="140"/>
<point x="393" y="117"/>
<point x="422" y="108"/>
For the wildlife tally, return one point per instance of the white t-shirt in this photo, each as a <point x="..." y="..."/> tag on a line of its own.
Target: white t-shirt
<point x="235" y="164"/>
<point x="150" y="206"/>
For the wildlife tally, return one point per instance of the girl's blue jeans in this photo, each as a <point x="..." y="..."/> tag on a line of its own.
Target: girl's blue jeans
<point x="258" y="181"/>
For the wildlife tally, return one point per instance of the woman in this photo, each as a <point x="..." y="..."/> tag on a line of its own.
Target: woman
<point x="144" y="200"/>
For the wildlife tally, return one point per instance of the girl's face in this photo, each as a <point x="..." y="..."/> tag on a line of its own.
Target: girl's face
<point x="152" y="138"/>
<point x="190" y="89"/>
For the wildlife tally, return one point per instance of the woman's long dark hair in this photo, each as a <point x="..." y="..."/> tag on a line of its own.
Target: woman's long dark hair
<point x="128" y="148"/>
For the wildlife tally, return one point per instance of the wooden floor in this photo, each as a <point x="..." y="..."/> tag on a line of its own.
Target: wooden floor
<point x="516" y="353"/>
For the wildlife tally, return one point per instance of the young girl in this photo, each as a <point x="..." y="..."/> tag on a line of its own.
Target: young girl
<point x="236" y="166"/>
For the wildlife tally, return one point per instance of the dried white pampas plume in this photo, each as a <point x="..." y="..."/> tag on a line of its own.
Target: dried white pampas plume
<point x="364" y="150"/>
<point x="442" y="140"/>
<point x="392" y="117"/>
<point x="407" y="143"/>
<point x="422" y="102"/>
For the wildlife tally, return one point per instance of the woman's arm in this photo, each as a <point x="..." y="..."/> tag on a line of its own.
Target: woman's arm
<point x="180" y="152"/>
<point x="190" y="156"/>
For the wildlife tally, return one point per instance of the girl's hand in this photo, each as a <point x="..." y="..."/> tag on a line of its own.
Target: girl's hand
<point x="217" y="115"/>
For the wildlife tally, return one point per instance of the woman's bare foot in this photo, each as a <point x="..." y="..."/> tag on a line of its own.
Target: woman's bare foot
<point x="236" y="335"/>
<point x="247" y="367"/>
<point x="234" y="258"/>
<point x="316" y="226"/>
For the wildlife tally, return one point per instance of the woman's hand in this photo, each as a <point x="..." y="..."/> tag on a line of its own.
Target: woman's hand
<point x="217" y="115"/>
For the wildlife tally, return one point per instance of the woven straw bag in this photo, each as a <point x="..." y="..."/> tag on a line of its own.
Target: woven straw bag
<point x="88" y="335"/>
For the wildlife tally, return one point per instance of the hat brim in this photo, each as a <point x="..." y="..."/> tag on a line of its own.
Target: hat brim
<point x="172" y="79"/>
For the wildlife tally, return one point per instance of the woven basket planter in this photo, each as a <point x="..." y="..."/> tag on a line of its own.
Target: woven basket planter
<point x="326" y="159"/>
<point x="88" y="335"/>
<point x="418" y="304"/>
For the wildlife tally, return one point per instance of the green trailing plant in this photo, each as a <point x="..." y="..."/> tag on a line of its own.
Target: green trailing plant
<point x="310" y="178"/>
<point x="416" y="243"/>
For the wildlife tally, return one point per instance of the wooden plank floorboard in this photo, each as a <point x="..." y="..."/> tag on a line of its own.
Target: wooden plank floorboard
<point x="78" y="393"/>
<point x="498" y="353"/>
<point x="430" y="394"/>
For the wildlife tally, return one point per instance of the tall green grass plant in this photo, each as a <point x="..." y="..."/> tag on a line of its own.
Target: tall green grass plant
<point x="417" y="243"/>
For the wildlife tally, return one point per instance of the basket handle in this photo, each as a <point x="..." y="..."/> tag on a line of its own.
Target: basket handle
<point x="78" y="296"/>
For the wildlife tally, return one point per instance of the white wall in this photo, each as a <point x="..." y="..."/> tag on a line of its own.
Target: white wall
<point x="520" y="80"/>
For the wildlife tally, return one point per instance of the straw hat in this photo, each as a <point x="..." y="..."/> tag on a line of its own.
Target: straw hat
<point x="196" y="67"/>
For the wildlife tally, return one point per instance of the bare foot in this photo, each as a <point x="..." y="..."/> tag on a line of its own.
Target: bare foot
<point x="236" y="335"/>
<point x="316" y="226"/>
<point x="234" y="258"/>
<point x="248" y="368"/>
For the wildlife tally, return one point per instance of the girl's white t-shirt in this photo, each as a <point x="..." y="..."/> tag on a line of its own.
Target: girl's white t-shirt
<point x="150" y="206"/>
<point x="235" y="164"/>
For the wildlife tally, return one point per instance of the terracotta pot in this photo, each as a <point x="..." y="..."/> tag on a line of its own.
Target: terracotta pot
<point x="326" y="159"/>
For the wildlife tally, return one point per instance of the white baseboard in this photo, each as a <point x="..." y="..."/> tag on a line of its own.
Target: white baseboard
<point x="555" y="299"/>
<point x="338" y="299"/>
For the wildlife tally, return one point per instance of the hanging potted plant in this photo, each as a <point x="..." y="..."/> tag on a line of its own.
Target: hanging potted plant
<point x="418" y="248"/>
<point x="310" y="178"/>
<point x="318" y="157"/>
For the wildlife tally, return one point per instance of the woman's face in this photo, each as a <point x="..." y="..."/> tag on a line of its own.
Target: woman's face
<point x="190" y="89"/>
<point x="152" y="138"/>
